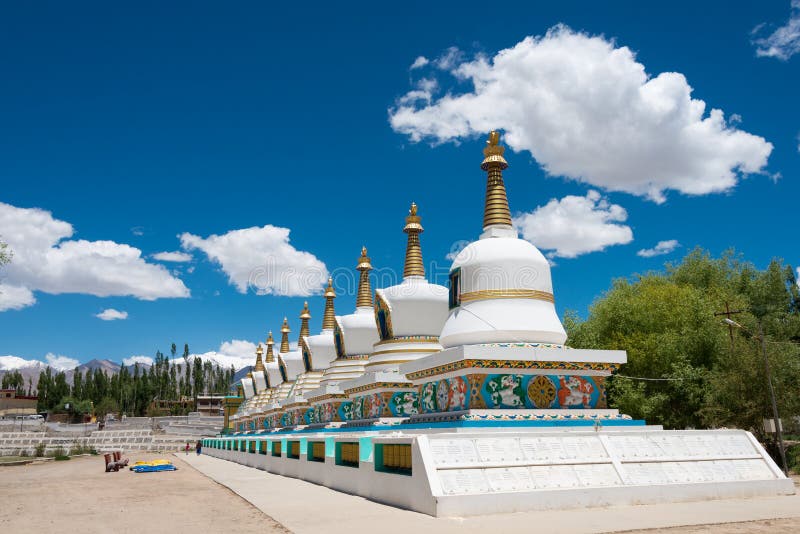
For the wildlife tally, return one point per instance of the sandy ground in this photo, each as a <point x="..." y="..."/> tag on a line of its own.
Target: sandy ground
<point x="77" y="496"/>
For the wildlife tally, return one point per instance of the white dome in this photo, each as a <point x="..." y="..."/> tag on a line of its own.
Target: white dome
<point x="503" y="294"/>
<point x="321" y="351"/>
<point x="292" y="363"/>
<point x="415" y="308"/>
<point x="358" y="333"/>
<point x="273" y="374"/>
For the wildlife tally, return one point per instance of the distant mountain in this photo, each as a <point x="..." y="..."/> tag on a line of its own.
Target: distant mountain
<point x="104" y="365"/>
<point x="241" y="373"/>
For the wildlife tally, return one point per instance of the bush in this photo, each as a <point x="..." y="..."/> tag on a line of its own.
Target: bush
<point x="23" y="453"/>
<point x="39" y="449"/>
<point x="61" y="457"/>
<point x="793" y="458"/>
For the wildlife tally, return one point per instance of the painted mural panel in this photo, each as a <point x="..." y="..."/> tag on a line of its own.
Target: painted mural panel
<point x="512" y="391"/>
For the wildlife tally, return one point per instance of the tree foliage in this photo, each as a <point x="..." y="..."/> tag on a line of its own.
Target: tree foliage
<point x="710" y="375"/>
<point x="133" y="389"/>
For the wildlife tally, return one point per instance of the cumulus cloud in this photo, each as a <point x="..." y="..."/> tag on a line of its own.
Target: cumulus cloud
<point x="575" y="225"/>
<point x="236" y="352"/>
<point x="15" y="297"/>
<point x="111" y="314"/>
<point x="587" y="110"/>
<point x="262" y="258"/>
<point x="420" y="62"/>
<point x="661" y="248"/>
<point x="60" y="362"/>
<point x="57" y="362"/>
<point x="178" y="257"/>
<point x="11" y="363"/>
<point x="784" y="42"/>
<point x="45" y="259"/>
<point x="141" y="360"/>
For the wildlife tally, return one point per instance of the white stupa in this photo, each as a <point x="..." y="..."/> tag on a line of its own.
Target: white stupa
<point x="354" y="335"/>
<point x="501" y="290"/>
<point x="318" y="352"/>
<point x="409" y="318"/>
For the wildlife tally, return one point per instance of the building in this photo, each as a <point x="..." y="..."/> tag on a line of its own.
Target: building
<point x="210" y="405"/>
<point x="12" y="405"/>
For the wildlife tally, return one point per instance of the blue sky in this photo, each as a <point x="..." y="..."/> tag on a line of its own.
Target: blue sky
<point x="146" y="128"/>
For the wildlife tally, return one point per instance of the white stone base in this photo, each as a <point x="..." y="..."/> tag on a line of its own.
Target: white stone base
<point x="486" y="470"/>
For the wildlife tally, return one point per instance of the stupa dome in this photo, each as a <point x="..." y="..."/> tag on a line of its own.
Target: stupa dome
<point x="354" y="334"/>
<point x="500" y="286"/>
<point x="409" y="315"/>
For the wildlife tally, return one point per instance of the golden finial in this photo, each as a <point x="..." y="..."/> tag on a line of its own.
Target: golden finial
<point x="414" y="265"/>
<point x="285" y="336"/>
<point x="305" y="315"/>
<point x="364" y="297"/>
<point x="259" y="363"/>
<point x="270" y="354"/>
<point x="496" y="211"/>
<point x="328" y="319"/>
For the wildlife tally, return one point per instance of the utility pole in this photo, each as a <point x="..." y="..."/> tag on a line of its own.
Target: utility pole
<point x="775" y="415"/>
<point x="727" y="313"/>
<point x="778" y="430"/>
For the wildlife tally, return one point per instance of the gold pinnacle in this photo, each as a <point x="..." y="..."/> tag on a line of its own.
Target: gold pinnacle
<point x="305" y="315"/>
<point x="259" y="363"/>
<point x="414" y="265"/>
<point x="496" y="211"/>
<point x="329" y="318"/>
<point x="364" y="297"/>
<point x="270" y="354"/>
<point x="285" y="336"/>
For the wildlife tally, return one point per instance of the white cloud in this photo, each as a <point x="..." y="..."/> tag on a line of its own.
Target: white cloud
<point x="57" y="362"/>
<point x="236" y="352"/>
<point x="111" y="314"/>
<point x="784" y="42"/>
<point x="262" y="258"/>
<point x="179" y="257"/>
<point x="449" y="59"/>
<point x="661" y="248"/>
<point x="575" y="225"/>
<point x="10" y="363"/>
<point x="420" y="62"/>
<point x="587" y="110"/>
<point x="15" y="297"/>
<point x="46" y="260"/>
<point x="146" y="360"/>
<point x="60" y="362"/>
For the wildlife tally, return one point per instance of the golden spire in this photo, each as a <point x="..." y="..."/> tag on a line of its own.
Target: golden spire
<point x="414" y="265"/>
<point x="270" y="354"/>
<point x="364" y="297"/>
<point x="285" y="336"/>
<point x="496" y="210"/>
<point x="305" y="315"/>
<point x="329" y="318"/>
<point x="259" y="363"/>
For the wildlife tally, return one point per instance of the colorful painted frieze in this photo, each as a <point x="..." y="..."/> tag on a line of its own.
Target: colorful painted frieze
<point x="512" y="391"/>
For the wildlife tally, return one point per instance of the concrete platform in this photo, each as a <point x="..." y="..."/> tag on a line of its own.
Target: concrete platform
<point x="303" y="507"/>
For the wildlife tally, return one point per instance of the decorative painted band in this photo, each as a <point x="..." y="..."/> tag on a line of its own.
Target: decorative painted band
<point x="408" y="339"/>
<point x="487" y="294"/>
<point x="512" y="364"/>
<point x="381" y="385"/>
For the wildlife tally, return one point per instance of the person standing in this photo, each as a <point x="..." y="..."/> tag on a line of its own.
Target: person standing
<point x="187" y="447"/>
<point x="198" y="447"/>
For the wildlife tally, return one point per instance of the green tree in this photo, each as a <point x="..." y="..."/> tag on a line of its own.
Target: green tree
<point x="705" y="374"/>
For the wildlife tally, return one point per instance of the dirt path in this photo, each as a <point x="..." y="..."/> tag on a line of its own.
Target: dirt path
<point x="77" y="496"/>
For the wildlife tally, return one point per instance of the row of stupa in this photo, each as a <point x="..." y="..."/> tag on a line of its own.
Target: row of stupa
<point x="490" y="346"/>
